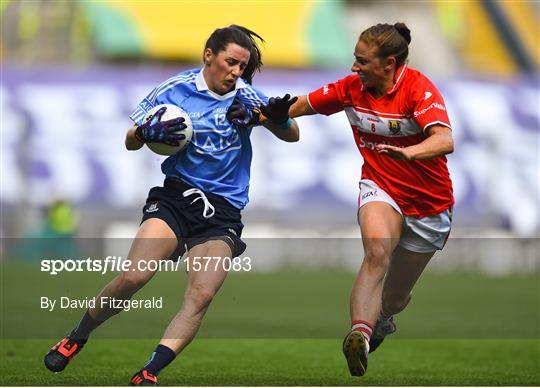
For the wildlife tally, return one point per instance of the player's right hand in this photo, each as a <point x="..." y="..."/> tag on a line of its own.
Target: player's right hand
<point x="277" y="109"/>
<point x="241" y="116"/>
<point x="156" y="131"/>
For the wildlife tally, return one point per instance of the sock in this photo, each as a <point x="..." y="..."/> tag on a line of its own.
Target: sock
<point x="85" y="327"/>
<point x="383" y="316"/>
<point x="161" y="357"/>
<point x="365" y="328"/>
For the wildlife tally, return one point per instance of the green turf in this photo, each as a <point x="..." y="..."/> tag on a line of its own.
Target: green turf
<point x="282" y="328"/>
<point x="287" y="304"/>
<point x="284" y="362"/>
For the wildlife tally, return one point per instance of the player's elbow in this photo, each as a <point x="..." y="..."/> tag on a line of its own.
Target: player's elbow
<point x="131" y="142"/>
<point x="131" y="146"/>
<point x="294" y="133"/>
<point x="449" y="145"/>
<point x="294" y="137"/>
<point x="444" y="143"/>
<point x="289" y="136"/>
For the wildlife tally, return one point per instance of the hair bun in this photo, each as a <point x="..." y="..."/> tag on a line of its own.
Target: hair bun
<point x="403" y="31"/>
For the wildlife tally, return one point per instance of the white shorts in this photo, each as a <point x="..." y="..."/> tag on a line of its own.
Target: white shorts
<point x="423" y="235"/>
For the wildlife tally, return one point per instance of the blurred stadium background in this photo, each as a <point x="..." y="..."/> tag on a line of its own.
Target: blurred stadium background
<point x="73" y="71"/>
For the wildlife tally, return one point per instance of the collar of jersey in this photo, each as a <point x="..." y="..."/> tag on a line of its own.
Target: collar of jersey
<point x="202" y="86"/>
<point x="398" y="79"/>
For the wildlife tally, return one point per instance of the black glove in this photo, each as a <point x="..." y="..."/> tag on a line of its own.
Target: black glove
<point x="277" y="109"/>
<point x="156" y="131"/>
<point x="240" y="115"/>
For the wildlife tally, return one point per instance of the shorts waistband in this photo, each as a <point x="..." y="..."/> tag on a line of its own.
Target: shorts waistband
<point x="180" y="186"/>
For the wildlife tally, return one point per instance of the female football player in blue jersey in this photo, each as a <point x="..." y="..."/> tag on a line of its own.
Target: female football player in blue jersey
<point x="206" y="187"/>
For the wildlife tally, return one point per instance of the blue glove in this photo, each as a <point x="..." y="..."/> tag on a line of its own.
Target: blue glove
<point x="240" y="115"/>
<point x="156" y="131"/>
<point x="277" y="109"/>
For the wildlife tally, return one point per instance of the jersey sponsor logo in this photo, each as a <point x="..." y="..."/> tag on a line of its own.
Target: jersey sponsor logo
<point x="370" y="145"/>
<point x="326" y="90"/>
<point x="394" y="126"/>
<point x="427" y="95"/>
<point x="211" y="141"/>
<point x="433" y="105"/>
<point x="146" y="105"/>
<point x="218" y="144"/>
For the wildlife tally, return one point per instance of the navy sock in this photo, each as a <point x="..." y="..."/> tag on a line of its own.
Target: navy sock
<point x="161" y="357"/>
<point x="84" y="328"/>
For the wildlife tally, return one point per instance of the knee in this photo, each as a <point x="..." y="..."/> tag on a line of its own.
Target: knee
<point x="393" y="303"/>
<point x="200" y="296"/>
<point x="131" y="282"/>
<point x="377" y="256"/>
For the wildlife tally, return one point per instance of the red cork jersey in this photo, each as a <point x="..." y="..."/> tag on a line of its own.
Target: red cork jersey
<point x="399" y="118"/>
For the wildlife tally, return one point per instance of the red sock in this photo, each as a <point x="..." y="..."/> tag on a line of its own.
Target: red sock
<point x="364" y="327"/>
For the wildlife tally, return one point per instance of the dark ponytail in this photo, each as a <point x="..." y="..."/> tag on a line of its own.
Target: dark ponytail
<point x="243" y="37"/>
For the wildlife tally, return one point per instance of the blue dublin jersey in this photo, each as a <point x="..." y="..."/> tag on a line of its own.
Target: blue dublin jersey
<point x="218" y="159"/>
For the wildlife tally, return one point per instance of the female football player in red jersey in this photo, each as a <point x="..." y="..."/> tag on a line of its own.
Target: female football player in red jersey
<point x="402" y="130"/>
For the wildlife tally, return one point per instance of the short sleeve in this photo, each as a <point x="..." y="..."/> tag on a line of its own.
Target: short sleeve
<point x="172" y="91"/>
<point x="428" y="104"/>
<point x="144" y="106"/>
<point x="329" y="99"/>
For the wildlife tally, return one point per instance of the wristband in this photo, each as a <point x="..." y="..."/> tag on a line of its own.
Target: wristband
<point x="287" y="124"/>
<point x="256" y="117"/>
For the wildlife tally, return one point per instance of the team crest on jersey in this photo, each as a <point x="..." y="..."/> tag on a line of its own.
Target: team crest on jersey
<point x="152" y="208"/>
<point x="394" y="126"/>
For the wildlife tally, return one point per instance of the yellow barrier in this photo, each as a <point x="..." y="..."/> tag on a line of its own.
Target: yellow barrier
<point x="297" y="33"/>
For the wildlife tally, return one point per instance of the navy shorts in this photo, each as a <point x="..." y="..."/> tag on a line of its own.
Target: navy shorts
<point x="195" y="216"/>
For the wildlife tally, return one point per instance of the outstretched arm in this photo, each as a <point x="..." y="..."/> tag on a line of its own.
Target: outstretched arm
<point x="438" y="143"/>
<point x="301" y="108"/>
<point x="288" y="132"/>
<point x="275" y="117"/>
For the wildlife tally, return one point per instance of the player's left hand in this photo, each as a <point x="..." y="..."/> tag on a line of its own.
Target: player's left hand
<point x="277" y="109"/>
<point x="156" y="131"/>
<point x="240" y="115"/>
<point x="394" y="152"/>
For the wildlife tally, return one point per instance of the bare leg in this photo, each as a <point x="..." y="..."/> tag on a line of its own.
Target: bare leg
<point x="155" y="240"/>
<point x="381" y="227"/>
<point x="405" y="269"/>
<point x="202" y="287"/>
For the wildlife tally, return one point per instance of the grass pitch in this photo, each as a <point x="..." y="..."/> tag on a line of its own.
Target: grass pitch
<point x="282" y="329"/>
<point x="284" y="362"/>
